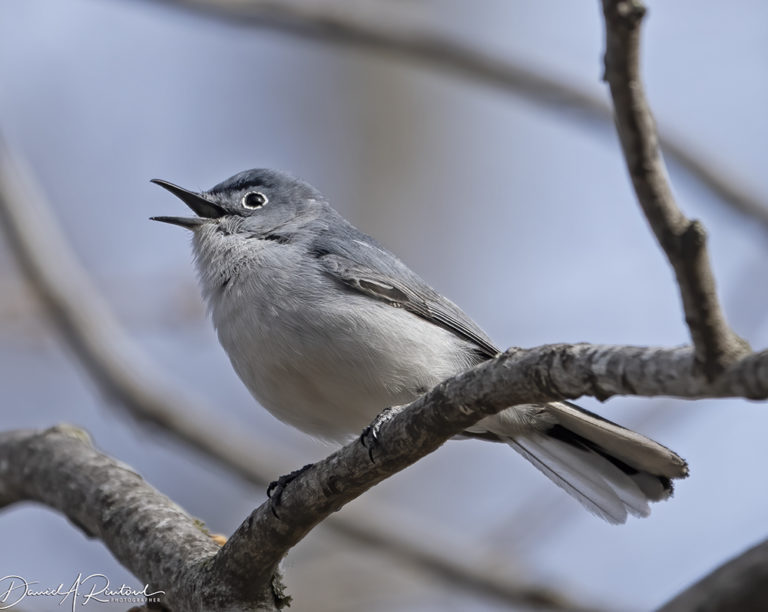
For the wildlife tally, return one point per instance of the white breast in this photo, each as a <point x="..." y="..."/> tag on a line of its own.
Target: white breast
<point x="322" y="358"/>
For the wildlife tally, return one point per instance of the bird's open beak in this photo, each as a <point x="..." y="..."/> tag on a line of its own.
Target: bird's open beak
<point x="203" y="208"/>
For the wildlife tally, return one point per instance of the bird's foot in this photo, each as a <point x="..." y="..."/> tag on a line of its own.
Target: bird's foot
<point x="370" y="438"/>
<point x="276" y="487"/>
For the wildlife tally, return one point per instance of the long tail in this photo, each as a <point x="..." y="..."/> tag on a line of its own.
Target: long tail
<point x="612" y="471"/>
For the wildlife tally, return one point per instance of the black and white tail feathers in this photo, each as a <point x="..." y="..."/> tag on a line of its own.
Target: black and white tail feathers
<point x="612" y="471"/>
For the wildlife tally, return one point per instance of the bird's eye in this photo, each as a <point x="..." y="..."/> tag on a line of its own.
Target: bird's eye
<point x="253" y="200"/>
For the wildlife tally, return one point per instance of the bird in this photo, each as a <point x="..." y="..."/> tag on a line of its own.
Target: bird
<point x="327" y="328"/>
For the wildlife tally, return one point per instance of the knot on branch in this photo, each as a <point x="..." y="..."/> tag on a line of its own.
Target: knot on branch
<point x="69" y="431"/>
<point x="631" y="12"/>
<point x="544" y="374"/>
<point x="598" y="366"/>
<point x="693" y="239"/>
<point x="565" y="371"/>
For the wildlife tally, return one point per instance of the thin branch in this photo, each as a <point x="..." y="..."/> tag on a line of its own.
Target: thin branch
<point x="683" y="240"/>
<point x="333" y="22"/>
<point x="739" y="584"/>
<point x="122" y="371"/>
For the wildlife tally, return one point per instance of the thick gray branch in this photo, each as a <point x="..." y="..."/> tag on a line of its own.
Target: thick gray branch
<point x="240" y="575"/>
<point x="683" y="240"/>
<point x="739" y="584"/>
<point x="154" y="538"/>
<point x="146" y="531"/>
<point x="333" y="21"/>
<point x="126" y="374"/>
<point x="518" y="376"/>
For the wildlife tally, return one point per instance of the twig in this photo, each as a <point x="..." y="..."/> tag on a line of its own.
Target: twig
<point x="334" y="22"/>
<point x="683" y="241"/>
<point x="123" y="372"/>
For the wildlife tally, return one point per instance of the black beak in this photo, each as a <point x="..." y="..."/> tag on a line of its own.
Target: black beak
<point x="204" y="209"/>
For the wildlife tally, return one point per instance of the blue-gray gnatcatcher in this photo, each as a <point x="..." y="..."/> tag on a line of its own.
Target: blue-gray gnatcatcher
<point x="327" y="328"/>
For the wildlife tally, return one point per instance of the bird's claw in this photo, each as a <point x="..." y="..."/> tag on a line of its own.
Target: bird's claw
<point x="276" y="488"/>
<point x="370" y="438"/>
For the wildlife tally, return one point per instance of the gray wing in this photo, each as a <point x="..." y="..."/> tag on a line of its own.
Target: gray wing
<point x="357" y="261"/>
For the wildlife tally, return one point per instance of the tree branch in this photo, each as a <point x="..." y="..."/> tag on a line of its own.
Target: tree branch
<point x="241" y="573"/>
<point x="333" y="21"/>
<point x="683" y="241"/>
<point x="154" y="538"/>
<point x="124" y="373"/>
<point x="739" y="584"/>
<point x="144" y="530"/>
<point x="518" y="376"/>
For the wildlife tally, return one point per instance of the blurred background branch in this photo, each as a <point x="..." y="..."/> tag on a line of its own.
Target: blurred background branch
<point x="739" y="584"/>
<point x="381" y="30"/>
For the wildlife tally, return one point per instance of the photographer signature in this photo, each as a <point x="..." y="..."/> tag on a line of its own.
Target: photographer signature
<point x="83" y="590"/>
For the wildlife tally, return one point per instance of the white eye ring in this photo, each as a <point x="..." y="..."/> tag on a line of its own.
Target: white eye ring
<point x="253" y="200"/>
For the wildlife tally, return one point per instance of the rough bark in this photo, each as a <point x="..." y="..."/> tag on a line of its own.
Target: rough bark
<point x="144" y="530"/>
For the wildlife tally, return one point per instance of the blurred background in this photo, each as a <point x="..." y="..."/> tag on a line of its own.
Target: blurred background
<point x="520" y="212"/>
